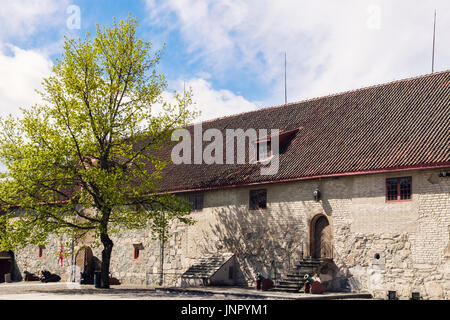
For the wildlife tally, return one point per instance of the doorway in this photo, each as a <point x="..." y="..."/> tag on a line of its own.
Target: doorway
<point x="5" y="265"/>
<point x="321" y="238"/>
<point x="85" y="261"/>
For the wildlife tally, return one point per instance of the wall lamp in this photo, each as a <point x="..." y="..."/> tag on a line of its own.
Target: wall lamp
<point x="316" y="194"/>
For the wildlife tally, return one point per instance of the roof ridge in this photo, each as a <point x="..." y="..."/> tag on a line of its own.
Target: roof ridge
<point x="325" y="96"/>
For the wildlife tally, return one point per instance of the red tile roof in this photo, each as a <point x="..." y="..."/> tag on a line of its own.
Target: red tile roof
<point x="394" y="126"/>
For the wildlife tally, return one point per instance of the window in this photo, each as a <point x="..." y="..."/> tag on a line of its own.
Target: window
<point x="196" y="201"/>
<point x="263" y="150"/>
<point x="137" y="251"/>
<point x="258" y="199"/>
<point x="398" y="189"/>
<point x="40" y="252"/>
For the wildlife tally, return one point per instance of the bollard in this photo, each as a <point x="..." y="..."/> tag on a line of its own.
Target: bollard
<point x="98" y="279"/>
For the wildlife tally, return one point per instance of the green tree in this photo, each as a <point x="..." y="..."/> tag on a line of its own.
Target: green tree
<point x="88" y="160"/>
<point x="160" y="227"/>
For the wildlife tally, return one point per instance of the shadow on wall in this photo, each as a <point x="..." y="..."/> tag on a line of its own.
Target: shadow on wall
<point x="229" y="274"/>
<point x="334" y="281"/>
<point x="268" y="242"/>
<point x="16" y="275"/>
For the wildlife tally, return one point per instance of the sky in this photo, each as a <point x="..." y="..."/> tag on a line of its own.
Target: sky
<point x="231" y="52"/>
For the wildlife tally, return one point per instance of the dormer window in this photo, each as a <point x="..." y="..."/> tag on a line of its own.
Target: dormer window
<point x="263" y="150"/>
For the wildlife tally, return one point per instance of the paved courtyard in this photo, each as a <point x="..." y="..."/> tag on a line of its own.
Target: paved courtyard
<point x="69" y="291"/>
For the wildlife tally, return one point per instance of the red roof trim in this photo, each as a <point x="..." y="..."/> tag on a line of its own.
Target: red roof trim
<point x="332" y="175"/>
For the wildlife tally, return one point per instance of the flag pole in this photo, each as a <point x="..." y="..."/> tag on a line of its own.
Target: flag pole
<point x="434" y="41"/>
<point x="285" y="82"/>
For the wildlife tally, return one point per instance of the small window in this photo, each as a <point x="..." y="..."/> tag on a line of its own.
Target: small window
<point x="263" y="150"/>
<point x="40" y="252"/>
<point x="398" y="189"/>
<point x="258" y="199"/>
<point x="196" y="201"/>
<point x="137" y="251"/>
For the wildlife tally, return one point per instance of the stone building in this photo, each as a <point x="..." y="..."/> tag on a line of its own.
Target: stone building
<point x="363" y="187"/>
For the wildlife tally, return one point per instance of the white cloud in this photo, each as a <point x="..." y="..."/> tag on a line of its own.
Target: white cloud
<point x="216" y="103"/>
<point x="331" y="45"/>
<point x="22" y="18"/>
<point x="21" y="68"/>
<point x="21" y="73"/>
<point x="210" y="102"/>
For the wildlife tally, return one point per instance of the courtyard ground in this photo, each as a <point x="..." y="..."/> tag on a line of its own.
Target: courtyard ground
<point x="69" y="291"/>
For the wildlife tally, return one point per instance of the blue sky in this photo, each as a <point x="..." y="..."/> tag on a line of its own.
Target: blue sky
<point x="231" y="52"/>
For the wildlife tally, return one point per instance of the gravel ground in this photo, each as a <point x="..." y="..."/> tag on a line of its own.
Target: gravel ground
<point x="65" y="291"/>
<point x="71" y="291"/>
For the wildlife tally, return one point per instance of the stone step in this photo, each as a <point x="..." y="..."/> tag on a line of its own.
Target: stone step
<point x="285" y="283"/>
<point x="206" y="267"/>
<point x="199" y="267"/>
<point x="196" y="276"/>
<point x="286" y="289"/>
<point x="303" y="271"/>
<point x="295" y="277"/>
<point x="307" y="265"/>
<point x="210" y="263"/>
<point x="294" y="280"/>
<point x="204" y="273"/>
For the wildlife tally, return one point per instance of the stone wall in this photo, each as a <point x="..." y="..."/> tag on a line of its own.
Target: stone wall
<point x="146" y="269"/>
<point x="27" y="259"/>
<point x="377" y="245"/>
<point x="410" y="238"/>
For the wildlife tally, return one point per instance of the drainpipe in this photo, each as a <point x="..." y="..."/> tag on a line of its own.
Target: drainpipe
<point x="72" y="276"/>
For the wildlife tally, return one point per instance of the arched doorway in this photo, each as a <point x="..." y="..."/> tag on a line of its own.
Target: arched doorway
<point x="85" y="261"/>
<point x="320" y="238"/>
<point x="5" y="265"/>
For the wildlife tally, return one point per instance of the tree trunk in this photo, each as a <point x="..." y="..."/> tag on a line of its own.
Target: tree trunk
<point x="161" y="262"/>
<point x="106" y="259"/>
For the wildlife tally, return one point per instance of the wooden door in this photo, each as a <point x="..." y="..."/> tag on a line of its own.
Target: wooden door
<point x="84" y="260"/>
<point x="322" y="238"/>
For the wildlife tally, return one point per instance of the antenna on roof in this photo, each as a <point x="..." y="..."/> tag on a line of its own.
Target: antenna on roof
<point x="434" y="41"/>
<point x="184" y="93"/>
<point x="285" y="87"/>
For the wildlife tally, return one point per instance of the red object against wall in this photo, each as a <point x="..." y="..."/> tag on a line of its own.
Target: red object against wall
<point x="267" y="284"/>
<point x="307" y="287"/>
<point x="316" y="287"/>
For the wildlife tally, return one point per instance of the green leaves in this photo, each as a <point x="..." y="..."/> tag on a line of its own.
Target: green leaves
<point x="75" y="162"/>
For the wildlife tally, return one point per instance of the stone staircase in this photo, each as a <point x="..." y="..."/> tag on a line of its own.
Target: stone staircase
<point x="201" y="273"/>
<point x="295" y="279"/>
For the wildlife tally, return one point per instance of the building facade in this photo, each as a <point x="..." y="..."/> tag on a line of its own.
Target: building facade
<point x="363" y="181"/>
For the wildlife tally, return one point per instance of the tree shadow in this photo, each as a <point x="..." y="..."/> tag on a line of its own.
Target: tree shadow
<point x="268" y="242"/>
<point x="16" y="274"/>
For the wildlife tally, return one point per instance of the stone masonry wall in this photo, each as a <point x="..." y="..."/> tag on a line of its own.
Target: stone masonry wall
<point x="401" y="246"/>
<point x="27" y="259"/>
<point x="377" y="245"/>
